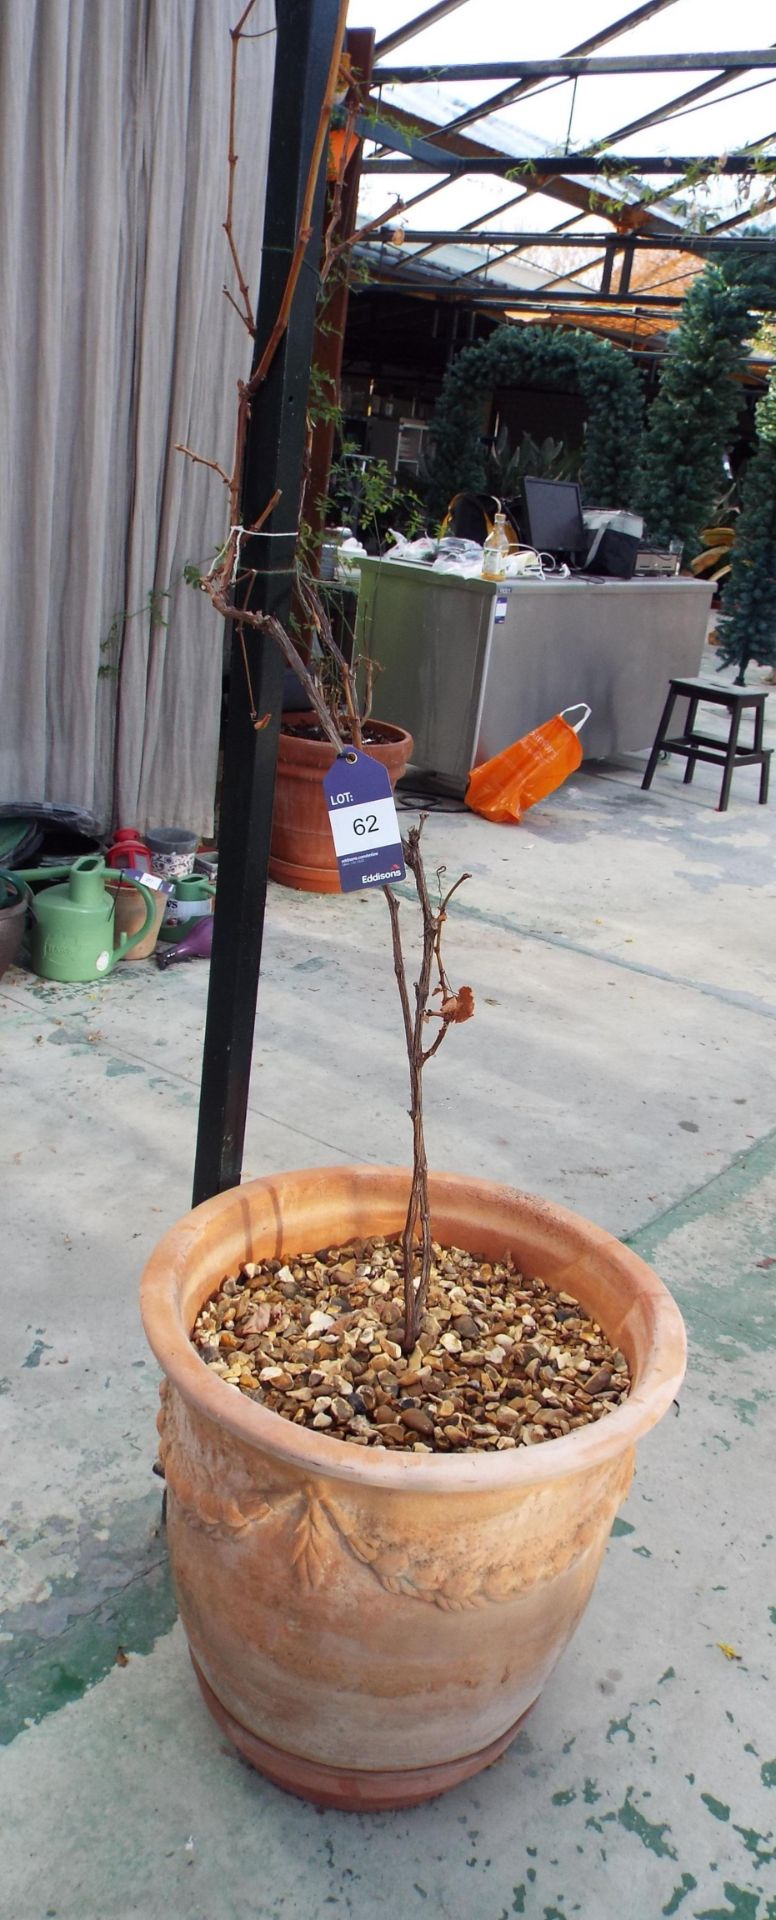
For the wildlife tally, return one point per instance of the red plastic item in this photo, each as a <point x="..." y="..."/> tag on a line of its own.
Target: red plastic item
<point x="129" y="851"/>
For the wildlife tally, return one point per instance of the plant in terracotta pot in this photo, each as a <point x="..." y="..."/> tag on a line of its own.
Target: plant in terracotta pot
<point x="302" y="853"/>
<point x="399" y="1414"/>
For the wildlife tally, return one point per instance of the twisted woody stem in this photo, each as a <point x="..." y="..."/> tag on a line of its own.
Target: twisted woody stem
<point x="416" y="1237"/>
<point x="228" y="585"/>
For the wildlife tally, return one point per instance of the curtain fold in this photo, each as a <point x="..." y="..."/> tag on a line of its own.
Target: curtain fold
<point x="116" y="341"/>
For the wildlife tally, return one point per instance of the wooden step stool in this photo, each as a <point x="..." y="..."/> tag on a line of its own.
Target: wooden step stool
<point x="705" y="746"/>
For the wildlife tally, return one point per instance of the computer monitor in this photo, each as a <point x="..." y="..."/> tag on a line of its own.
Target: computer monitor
<point x="553" y="511"/>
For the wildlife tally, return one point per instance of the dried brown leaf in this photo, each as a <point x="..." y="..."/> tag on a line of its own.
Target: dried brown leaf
<point x="457" y="1007"/>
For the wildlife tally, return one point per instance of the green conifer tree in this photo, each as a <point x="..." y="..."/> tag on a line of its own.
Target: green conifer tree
<point x="694" y="412"/>
<point x="747" y="629"/>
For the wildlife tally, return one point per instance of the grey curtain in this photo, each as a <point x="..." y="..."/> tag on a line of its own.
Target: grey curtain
<point x="116" y="341"/>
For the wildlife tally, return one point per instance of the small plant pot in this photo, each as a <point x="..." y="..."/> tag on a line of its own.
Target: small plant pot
<point x="13" y="915"/>
<point x="370" y="1627"/>
<point x="129" y="917"/>
<point x="173" y="850"/>
<point x="302" y="849"/>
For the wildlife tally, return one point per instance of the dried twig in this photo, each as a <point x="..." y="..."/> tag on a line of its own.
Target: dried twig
<point x="316" y="612"/>
<point x="218" y="585"/>
<point x="455" y="1008"/>
<point x="337" y="184"/>
<point x="268" y="624"/>
<point x="352" y="240"/>
<point x="246" y="311"/>
<point x="200" y="461"/>
<point x="303" y="234"/>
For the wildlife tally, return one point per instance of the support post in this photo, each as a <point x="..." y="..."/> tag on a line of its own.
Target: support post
<point x="274" y="459"/>
<point x="626" y="270"/>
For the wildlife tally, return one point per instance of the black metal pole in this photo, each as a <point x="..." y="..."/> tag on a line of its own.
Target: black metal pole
<point x="273" y="459"/>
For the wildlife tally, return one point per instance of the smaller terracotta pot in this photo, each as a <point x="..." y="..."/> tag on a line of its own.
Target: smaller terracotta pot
<point x="129" y="917"/>
<point x="12" y="926"/>
<point x="302" y="850"/>
<point x="12" y="919"/>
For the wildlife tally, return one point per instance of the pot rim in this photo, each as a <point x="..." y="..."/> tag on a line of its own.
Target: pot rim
<point x="393" y="736"/>
<point x="658" y="1381"/>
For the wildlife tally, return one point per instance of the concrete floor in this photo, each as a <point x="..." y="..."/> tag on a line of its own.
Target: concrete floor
<point x="621" y="947"/>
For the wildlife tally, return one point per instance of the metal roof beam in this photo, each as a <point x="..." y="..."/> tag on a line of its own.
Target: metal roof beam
<point x="576" y="66"/>
<point x="434" y="240"/>
<point x="418" y="25"/>
<point x="625" y="24"/>
<point x="668" y="108"/>
<point x="561" y="237"/>
<point x="532" y="296"/>
<point x="421" y="157"/>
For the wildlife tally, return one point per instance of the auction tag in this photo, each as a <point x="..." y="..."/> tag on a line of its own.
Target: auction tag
<point x="362" y="817"/>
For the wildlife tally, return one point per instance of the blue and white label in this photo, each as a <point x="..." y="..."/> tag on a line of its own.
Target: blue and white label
<point x="362" y="816"/>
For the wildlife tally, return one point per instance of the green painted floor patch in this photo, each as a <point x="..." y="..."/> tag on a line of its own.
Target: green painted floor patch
<point x="649" y="1832"/>
<point x="724" y="1189"/>
<point x="680" y="1893"/>
<point x="724" y="1318"/>
<point x="744" y="1905"/>
<point x="621" y="1726"/>
<point x="716" y="1807"/>
<point x="758" y="1845"/>
<point x="119" y="1602"/>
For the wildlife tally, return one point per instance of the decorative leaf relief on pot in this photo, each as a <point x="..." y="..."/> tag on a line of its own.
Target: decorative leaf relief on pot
<point x="482" y="1579"/>
<point x="198" y="1490"/>
<point x="318" y="1526"/>
<point x="310" y="1541"/>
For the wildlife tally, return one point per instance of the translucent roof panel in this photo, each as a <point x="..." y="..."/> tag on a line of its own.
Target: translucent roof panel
<point x="684" y="113"/>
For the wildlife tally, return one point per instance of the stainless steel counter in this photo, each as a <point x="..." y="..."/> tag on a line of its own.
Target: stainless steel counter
<point x="469" y="666"/>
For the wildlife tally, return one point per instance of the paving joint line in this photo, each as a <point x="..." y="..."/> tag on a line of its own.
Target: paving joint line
<point x="726" y="996"/>
<point x="739" y="1163"/>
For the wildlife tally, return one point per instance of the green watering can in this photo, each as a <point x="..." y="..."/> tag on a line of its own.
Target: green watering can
<point x="72" y="930"/>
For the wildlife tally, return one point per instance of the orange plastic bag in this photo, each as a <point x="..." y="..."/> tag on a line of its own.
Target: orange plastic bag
<point x="504" y="788"/>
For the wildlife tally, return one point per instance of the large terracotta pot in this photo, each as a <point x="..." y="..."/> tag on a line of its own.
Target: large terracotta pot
<point x="302" y="849"/>
<point x="370" y="1627"/>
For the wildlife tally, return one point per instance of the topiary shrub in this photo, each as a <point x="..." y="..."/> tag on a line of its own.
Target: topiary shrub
<point x="747" y="629"/>
<point x="695" y="411"/>
<point x="694" y="414"/>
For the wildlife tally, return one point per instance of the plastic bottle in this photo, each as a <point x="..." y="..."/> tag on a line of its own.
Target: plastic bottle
<point x="495" y="550"/>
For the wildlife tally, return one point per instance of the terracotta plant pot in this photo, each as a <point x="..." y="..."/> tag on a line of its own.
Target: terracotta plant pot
<point x="130" y="914"/>
<point x="302" y="849"/>
<point x="12" y="919"/>
<point x="370" y="1627"/>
